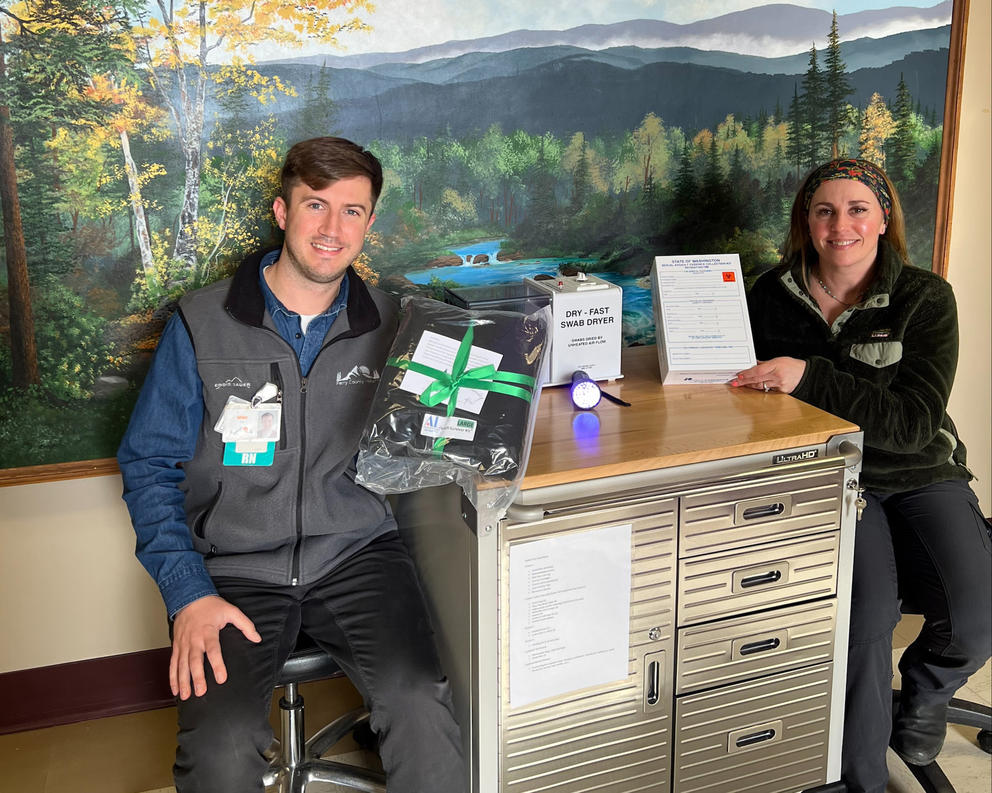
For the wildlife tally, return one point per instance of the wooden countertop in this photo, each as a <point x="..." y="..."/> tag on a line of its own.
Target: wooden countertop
<point x="664" y="426"/>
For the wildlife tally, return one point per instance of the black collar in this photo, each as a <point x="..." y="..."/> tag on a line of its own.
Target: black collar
<point x="246" y="303"/>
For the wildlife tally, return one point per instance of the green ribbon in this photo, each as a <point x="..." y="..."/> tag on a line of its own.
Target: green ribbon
<point x="445" y="386"/>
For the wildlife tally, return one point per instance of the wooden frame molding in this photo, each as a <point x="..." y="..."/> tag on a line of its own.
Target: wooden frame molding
<point x="942" y="236"/>
<point x="949" y="140"/>
<point x="32" y="474"/>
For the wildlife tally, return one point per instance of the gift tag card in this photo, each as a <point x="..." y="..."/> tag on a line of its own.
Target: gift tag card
<point x="439" y="352"/>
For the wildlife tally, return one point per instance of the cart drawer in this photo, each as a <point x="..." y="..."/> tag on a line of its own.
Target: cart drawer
<point x="726" y="584"/>
<point x="768" y="736"/>
<point x="775" y="508"/>
<point x="729" y="651"/>
<point x="613" y="736"/>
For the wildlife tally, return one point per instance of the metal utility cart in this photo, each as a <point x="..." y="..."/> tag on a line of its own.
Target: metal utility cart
<point x="730" y="515"/>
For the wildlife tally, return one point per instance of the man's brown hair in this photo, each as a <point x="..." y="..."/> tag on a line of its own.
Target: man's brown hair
<point x="319" y="162"/>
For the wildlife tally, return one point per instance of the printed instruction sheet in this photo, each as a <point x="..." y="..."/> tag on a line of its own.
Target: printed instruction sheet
<point x="569" y="612"/>
<point x="702" y="326"/>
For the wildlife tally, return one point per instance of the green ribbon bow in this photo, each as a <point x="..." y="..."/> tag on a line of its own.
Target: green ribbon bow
<point x="445" y="386"/>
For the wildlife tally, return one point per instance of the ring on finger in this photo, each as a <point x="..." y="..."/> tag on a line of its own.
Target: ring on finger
<point x="765" y="387"/>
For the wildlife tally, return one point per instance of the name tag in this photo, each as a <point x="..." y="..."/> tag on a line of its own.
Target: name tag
<point x="249" y="453"/>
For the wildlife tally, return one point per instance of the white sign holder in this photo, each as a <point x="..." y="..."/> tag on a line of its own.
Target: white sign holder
<point x="701" y="320"/>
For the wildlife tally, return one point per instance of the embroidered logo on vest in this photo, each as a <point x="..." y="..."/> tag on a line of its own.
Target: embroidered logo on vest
<point x="233" y="382"/>
<point x="359" y="374"/>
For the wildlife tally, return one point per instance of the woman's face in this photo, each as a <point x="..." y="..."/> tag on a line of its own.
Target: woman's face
<point x="845" y="222"/>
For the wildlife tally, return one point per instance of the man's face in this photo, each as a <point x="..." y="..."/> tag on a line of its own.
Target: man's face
<point x="325" y="229"/>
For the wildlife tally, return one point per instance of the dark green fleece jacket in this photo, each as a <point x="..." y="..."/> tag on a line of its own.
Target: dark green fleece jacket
<point x="887" y="364"/>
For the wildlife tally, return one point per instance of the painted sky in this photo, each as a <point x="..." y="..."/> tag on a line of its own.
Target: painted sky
<point x="396" y="27"/>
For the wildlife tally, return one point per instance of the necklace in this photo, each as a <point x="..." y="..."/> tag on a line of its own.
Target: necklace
<point x="823" y="286"/>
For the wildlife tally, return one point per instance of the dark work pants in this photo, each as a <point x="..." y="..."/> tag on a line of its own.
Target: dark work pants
<point x="369" y="614"/>
<point x="938" y="541"/>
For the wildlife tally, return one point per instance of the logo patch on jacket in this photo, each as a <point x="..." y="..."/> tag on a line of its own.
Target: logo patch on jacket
<point x="359" y="374"/>
<point x="233" y="382"/>
<point x="884" y="333"/>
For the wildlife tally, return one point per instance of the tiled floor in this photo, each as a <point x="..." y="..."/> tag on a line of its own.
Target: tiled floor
<point x="133" y="754"/>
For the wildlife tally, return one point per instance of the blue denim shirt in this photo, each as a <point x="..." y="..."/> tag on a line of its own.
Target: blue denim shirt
<point x="162" y="433"/>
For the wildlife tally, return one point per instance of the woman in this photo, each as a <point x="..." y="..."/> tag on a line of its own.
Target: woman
<point x="846" y="324"/>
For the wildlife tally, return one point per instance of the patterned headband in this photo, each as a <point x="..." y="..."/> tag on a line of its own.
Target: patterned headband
<point x="858" y="170"/>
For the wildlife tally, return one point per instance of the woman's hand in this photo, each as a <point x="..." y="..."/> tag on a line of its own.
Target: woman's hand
<point x="777" y="374"/>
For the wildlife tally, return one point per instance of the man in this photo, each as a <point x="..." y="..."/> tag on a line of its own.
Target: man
<point x="267" y="425"/>
<point x="250" y="543"/>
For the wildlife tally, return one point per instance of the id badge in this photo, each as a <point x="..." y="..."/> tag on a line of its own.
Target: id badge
<point x="244" y="453"/>
<point x="250" y="430"/>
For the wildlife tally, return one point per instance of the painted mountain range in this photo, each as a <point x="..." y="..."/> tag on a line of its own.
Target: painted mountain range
<point x="602" y="78"/>
<point x="771" y="33"/>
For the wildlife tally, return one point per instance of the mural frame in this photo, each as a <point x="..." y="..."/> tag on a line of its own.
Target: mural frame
<point x="54" y="472"/>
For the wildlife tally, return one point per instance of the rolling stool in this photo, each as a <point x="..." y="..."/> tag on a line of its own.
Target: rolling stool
<point x="962" y="712"/>
<point x="294" y="761"/>
<point x="967" y="714"/>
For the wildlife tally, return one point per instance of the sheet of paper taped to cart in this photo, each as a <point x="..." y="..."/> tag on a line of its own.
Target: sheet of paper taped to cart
<point x="569" y="612"/>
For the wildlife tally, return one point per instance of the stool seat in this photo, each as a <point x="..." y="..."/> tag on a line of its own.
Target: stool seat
<point x="294" y="762"/>
<point x="306" y="664"/>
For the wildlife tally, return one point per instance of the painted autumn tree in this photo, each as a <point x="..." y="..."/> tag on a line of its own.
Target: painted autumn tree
<point x="50" y="50"/>
<point x="877" y="126"/>
<point x="191" y="48"/>
<point x="131" y="114"/>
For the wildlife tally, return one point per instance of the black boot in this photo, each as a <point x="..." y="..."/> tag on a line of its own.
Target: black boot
<point x="918" y="732"/>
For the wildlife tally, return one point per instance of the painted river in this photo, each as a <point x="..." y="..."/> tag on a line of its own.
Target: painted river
<point x="638" y="320"/>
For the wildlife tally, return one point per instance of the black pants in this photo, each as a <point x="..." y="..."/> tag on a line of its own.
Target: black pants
<point x="938" y="541"/>
<point x="370" y="615"/>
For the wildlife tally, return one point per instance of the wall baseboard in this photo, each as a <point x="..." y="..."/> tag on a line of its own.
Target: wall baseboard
<point x="83" y="690"/>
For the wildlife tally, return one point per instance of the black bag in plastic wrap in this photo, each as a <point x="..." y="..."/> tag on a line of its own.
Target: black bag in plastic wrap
<point x="456" y="399"/>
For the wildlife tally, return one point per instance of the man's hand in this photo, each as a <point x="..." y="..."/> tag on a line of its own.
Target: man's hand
<point x="195" y="633"/>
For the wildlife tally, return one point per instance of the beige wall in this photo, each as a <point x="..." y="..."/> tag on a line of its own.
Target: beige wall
<point x="970" y="265"/>
<point x="70" y="586"/>
<point x="69" y="583"/>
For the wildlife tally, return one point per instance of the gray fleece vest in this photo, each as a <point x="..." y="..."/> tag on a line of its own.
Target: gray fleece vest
<point x="293" y="521"/>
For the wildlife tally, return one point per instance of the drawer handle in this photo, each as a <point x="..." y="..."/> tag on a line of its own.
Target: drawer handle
<point x="757" y="737"/>
<point x="765" y="511"/>
<point x="759" y="580"/>
<point x="760" y="647"/>
<point x="654" y="681"/>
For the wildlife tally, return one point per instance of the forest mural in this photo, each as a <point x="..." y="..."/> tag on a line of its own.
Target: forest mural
<point x="140" y="144"/>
